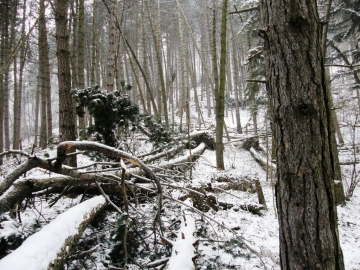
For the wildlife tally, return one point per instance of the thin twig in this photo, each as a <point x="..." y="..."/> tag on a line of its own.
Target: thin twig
<point x="244" y="10"/>
<point x="107" y="198"/>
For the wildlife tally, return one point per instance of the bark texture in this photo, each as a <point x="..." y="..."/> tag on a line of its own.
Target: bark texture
<point x="66" y="110"/>
<point x="301" y="125"/>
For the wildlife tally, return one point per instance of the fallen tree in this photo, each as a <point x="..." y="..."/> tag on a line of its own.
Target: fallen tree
<point x="23" y="188"/>
<point x="56" y="164"/>
<point x="113" y="180"/>
<point x="48" y="248"/>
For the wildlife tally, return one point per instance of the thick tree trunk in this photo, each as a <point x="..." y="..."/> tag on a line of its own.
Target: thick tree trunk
<point x="18" y="95"/>
<point x="301" y="116"/>
<point x="43" y="76"/>
<point x="66" y="110"/>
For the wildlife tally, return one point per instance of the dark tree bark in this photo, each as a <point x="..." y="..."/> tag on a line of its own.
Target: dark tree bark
<point x="4" y="77"/>
<point x="18" y="90"/>
<point x="66" y="110"/>
<point x="220" y="80"/>
<point x="44" y="74"/>
<point x="301" y="116"/>
<point x="81" y="55"/>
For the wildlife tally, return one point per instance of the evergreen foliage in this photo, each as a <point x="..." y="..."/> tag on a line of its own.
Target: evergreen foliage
<point x="160" y="134"/>
<point x="256" y="71"/>
<point x="111" y="111"/>
<point x="113" y="114"/>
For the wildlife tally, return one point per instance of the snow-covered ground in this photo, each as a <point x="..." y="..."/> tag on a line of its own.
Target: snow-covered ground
<point x="216" y="247"/>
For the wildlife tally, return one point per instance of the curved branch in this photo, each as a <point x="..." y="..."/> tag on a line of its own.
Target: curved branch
<point x="110" y="152"/>
<point x="31" y="163"/>
<point x="17" y="152"/>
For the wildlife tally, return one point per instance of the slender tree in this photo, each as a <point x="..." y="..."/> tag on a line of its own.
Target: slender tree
<point x="112" y="47"/>
<point x="44" y="79"/>
<point x="301" y="116"/>
<point x="156" y="34"/>
<point x="18" y="87"/>
<point x="220" y="90"/>
<point x="9" y="41"/>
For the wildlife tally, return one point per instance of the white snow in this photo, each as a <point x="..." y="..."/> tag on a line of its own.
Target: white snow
<point x="41" y="249"/>
<point x="183" y="249"/>
<point x="260" y="232"/>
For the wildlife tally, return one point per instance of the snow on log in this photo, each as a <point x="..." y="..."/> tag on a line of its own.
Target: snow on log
<point x="262" y="160"/>
<point x="48" y="248"/>
<point x="183" y="250"/>
<point x="195" y="153"/>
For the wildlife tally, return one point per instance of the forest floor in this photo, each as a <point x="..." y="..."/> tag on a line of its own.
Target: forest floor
<point x="216" y="247"/>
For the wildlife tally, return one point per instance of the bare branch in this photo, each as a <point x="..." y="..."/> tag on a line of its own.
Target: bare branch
<point x="345" y="66"/>
<point x="107" y="198"/>
<point x="244" y="10"/>
<point x="256" y="81"/>
<point x="17" y="152"/>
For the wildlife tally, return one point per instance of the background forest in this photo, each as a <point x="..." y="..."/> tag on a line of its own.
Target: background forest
<point x="153" y="78"/>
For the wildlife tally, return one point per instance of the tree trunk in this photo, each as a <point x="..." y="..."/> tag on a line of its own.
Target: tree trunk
<point x="44" y="75"/>
<point x="183" y="72"/>
<point x="301" y="116"/>
<point x="9" y="41"/>
<point x="220" y="89"/>
<point x="334" y="125"/>
<point x="112" y="47"/>
<point x="81" y="56"/>
<point x="236" y="81"/>
<point x="18" y="88"/>
<point x="157" y="46"/>
<point x="66" y="110"/>
<point x="37" y="108"/>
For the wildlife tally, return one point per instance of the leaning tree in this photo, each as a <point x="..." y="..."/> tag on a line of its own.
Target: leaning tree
<point x="301" y="118"/>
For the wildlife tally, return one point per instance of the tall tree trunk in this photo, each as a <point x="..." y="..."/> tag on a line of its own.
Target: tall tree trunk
<point x="119" y="74"/>
<point x="301" y="116"/>
<point x="37" y="108"/>
<point x="93" y="45"/>
<point x="66" y="109"/>
<point x="236" y="81"/>
<point x="334" y="125"/>
<point x="44" y="75"/>
<point x="157" y="46"/>
<point x="220" y="89"/>
<point x="150" y="100"/>
<point x="18" y="87"/>
<point x="183" y="86"/>
<point x="9" y="41"/>
<point x="81" y="56"/>
<point x="112" y="47"/>
<point x="73" y="29"/>
<point x="3" y="16"/>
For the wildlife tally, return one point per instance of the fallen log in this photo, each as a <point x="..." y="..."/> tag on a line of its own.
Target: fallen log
<point x="48" y="248"/>
<point x="253" y="208"/>
<point x="23" y="188"/>
<point x="262" y="160"/>
<point x="182" y="249"/>
<point x="195" y="153"/>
